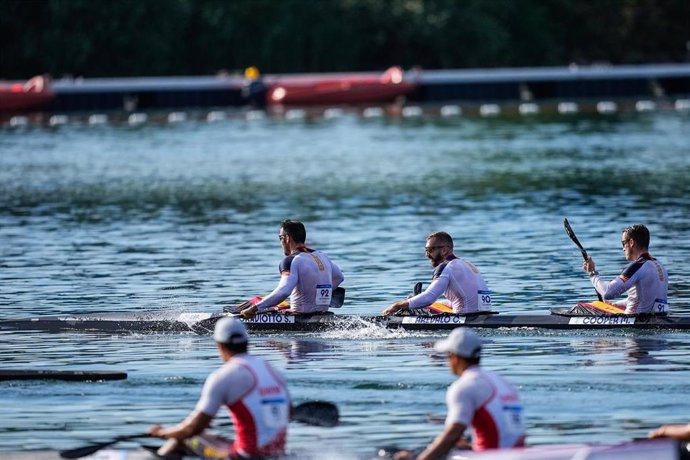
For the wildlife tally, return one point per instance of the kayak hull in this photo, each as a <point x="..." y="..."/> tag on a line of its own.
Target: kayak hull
<point x="202" y="323"/>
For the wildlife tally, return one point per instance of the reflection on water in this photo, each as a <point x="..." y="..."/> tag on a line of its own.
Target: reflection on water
<point x="185" y="218"/>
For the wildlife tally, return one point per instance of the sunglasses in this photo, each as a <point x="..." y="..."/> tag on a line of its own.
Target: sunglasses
<point x="430" y="249"/>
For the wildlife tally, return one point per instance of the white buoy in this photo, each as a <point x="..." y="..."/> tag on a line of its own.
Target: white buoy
<point x="412" y="112"/>
<point x="682" y="104"/>
<point x="489" y="110"/>
<point x="18" y="121"/>
<point x="372" y="112"/>
<point x="57" y="120"/>
<point x="333" y="112"/>
<point x="97" y="119"/>
<point x="256" y="115"/>
<point x="528" y="108"/>
<point x="451" y="111"/>
<point x="216" y="115"/>
<point x="137" y="118"/>
<point x="567" y="107"/>
<point x="177" y="117"/>
<point x="607" y="107"/>
<point x="645" y="106"/>
<point x="295" y="114"/>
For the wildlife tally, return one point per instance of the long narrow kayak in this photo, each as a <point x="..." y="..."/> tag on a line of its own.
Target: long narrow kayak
<point x="72" y="376"/>
<point x="635" y="450"/>
<point x="202" y="323"/>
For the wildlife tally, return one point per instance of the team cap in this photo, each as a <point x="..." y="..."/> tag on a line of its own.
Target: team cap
<point x="461" y="341"/>
<point x="230" y="331"/>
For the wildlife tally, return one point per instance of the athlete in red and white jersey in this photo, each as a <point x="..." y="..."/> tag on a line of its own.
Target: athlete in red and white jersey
<point x="457" y="279"/>
<point x="307" y="276"/>
<point x="484" y="400"/>
<point x="479" y="399"/>
<point x="645" y="279"/>
<point x="254" y="393"/>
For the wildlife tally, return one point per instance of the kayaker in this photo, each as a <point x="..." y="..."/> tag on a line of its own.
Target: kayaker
<point x="456" y="278"/>
<point x="679" y="432"/>
<point x="478" y="398"/>
<point x="645" y="278"/>
<point x="250" y="388"/>
<point x="306" y="275"/>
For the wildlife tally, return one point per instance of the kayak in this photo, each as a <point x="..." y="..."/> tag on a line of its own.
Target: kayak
<point x="660" y="449"/>
<point x="72" y="376"/>
<point x="203" y="323"/>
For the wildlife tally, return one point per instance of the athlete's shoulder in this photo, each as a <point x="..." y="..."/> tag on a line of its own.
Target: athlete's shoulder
<point x="633" y="268"/>
<point x="440" y="267"/>
<point x="286" y="263"/>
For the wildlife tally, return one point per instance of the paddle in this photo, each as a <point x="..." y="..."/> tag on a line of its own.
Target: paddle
<point x="316" y="413"/>
<point x="571" y="234"/>
<point x="88" y="450"/>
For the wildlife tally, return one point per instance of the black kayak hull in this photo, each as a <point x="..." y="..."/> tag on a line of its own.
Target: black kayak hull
<point x="201" y="323"/>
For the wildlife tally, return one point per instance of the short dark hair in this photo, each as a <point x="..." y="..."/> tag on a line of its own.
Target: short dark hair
<point x="442" y="237"/>
<point x="295" y="229"/>
<point x="236" y="348"/>
<point x="639" y="233"/>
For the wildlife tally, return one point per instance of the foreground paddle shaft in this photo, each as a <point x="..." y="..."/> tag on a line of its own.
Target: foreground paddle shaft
<point x="317" y="413"/>
<point x="88" y="450"/>
<point x="571" y="234"/>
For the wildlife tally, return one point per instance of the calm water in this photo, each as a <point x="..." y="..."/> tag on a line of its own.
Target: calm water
<point x="185" y="217"/>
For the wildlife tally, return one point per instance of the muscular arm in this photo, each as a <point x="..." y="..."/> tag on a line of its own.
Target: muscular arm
<point x="443" y="443"/>
<point x="679" y="432"/>
<point x="281" y="292"/>
<point x="433" y="292"/>
<point x="613" y="289"/>
<point x="336" y="275"/>
<point x="194" y="424"/>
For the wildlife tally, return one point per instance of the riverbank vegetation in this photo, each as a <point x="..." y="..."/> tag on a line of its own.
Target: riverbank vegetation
<point x="198" y="37"/>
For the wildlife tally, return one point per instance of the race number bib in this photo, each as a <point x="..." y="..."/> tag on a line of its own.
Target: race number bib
<point x="513" y="419"/>
<point x="660" y="306"/>
<point x="484" y="300"/>
<point x="275" y="412"/>
<point x="324" y="292"/>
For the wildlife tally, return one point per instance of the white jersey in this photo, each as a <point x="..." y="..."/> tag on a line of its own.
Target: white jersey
<point x="490" y="405"/>
<point x="646" y="282"/>
<point x="308" y="277"/>
<point x="461" y="283"/>
<point x="258" y="400"/>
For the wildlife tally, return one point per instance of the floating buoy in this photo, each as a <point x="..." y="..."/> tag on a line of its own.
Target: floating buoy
<point x="451" y="111"/>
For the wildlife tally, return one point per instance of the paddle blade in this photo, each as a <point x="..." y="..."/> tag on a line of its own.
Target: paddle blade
<point x="571" y="234"/>
<point x="317" y="413"/>
<point x="93" y="448"/>
<point x="417" y="288"/>
<point x="337" y="298"/>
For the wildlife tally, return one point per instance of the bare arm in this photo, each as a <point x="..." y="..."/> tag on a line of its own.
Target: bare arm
<point x="679" y="432"/>
<point x="192" y="425"/>
<point x="443" y="443"/>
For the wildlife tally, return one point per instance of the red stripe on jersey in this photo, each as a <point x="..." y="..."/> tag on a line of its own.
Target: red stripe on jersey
<point x="245" y="429"/>
<point x="485" y="430"/>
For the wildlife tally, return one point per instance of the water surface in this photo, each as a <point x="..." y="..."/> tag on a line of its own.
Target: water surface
<point x="185" y="218"/>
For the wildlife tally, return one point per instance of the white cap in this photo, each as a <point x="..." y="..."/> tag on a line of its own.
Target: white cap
<point x="461" y="341"/>
<point x="230" y="330"/>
